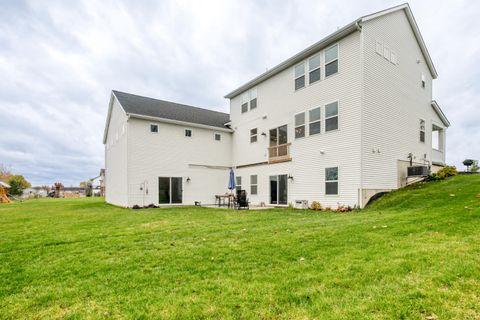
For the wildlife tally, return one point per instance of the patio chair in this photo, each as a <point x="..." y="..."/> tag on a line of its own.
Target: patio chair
<point x="242" y="200"/>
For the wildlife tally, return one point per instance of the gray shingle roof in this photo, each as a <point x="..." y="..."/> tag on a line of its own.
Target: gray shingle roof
<point x="144" y="106"/>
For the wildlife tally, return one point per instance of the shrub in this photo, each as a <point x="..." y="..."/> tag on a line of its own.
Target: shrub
<point x="445" y="172"/>
<point x="316" y="205"/>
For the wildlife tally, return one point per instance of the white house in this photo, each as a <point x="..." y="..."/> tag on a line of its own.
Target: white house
<point x="336" y="123"/>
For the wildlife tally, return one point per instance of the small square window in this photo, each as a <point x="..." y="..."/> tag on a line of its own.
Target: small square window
<point x="154" y="128"/>
<point x="188" y="133"/>
<point x="218" y="136"/>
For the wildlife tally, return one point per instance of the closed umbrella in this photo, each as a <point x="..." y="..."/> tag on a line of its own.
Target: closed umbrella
<point x="231" y="180"/>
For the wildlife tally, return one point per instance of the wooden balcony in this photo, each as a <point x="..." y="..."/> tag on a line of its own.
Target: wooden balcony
<point x="279" y="153"/>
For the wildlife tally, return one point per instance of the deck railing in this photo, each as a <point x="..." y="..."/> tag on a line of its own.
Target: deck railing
<point x="279" y="153"/>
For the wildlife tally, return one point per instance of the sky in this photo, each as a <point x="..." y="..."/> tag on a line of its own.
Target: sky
<point x="59" y="61"/>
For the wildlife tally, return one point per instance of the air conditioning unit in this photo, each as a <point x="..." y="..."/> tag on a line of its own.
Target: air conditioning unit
<point x="301" y="204"/>
<point x="417" y="171"/>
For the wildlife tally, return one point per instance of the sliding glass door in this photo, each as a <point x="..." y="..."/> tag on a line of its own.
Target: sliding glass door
<point x="169" y="190"/>
<point x="279" y="189"/>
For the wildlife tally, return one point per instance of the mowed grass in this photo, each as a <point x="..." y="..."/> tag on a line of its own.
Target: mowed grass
<point x="415" y="254"/>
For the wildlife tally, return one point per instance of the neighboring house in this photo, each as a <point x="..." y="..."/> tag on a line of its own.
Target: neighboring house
<point x="336" y="123"/>
<point x="35" y="192"/>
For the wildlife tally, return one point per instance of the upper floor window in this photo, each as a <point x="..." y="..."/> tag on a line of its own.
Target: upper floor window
<point x="331" y="116"/>
<point x="253" y="184"/>
<point x="300" y="125"/>
<point x="300" y="76"/>
<point x="422" y="130"/>
<point x="188" y="133"/>
<point x="314" y="68"/>
<point x="253" y="98"/>
<point x="331" y="60"/>
<point x="154" y="128"/>
<point x="314" y="121"/>
<point x="218" y="137"/>
<point x="245" y="102"/>
<point x="253" y="135"/>
<point x="331" y="180"/>
<point x="249" y="97"/>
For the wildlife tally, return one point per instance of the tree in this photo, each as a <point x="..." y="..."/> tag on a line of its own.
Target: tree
<point x="474" y="167"/>
<point x="15" y="188"/>
<point x="22" y="182"/>
<point x="468" y="163"/>
<point x="5" y="173"/>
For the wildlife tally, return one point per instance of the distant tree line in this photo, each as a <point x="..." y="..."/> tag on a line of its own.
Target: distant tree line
<point x="17" y="182"/>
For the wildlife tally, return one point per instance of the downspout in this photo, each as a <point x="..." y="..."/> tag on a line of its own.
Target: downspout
<point x="362" y="67"/>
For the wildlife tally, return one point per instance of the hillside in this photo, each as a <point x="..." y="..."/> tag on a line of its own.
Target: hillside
<point x="413" y="254"/>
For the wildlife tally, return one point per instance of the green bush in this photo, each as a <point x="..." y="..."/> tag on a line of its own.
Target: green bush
<point x="445" y="172"/>
<point x="316" y="205"/>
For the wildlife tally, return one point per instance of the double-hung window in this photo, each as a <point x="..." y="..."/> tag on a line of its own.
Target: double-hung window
<point x="253" y="184"/>
<point x="314" y="69"/>
<point x="422" y="130"/>
<point x="314" y="121"/>
<point x="300" y="125"/>
<point x="245" y="102"/>
<point x="331" y="180"/>
<point x="331" y="116"/>
<point x="238" y="183"/>
<point x="253" y="98"/>
<point x="300" y="76"/>
<point x="253" y="135"/>
<point x="331" y="60"/>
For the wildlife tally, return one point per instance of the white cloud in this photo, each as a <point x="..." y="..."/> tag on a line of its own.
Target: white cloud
<point x="60" y="60"/>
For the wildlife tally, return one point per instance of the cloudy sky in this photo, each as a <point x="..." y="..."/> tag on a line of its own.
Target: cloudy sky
<point x="60" y="59"/>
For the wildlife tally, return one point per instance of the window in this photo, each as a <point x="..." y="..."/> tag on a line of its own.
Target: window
<point x="314" y="69"/>
<point x="238" y="183"/>
<point x="253" y="135"/>
<point x="253" y="184"/>
<point x="331" y="180"/>
<point x="422" y="130"/>
<point x="170" y="190"/>
<point x="331" y="116"/>
<point x="154" y="128"/>
<point x="300" y="76"/>
<point x="386" y="53"/>
<point x="245" y="102"/>
<point x="314" y="121"/>
<point x="379" y="48"/>
<point x="331" y="60"/>
<point x="393" y="57"/>
<point x="423" y="81"/>
<point x="218" y="137"/>
<point x="300" y="125"/>
<point x="253" y="98"/>
<point x="188" y="133"/>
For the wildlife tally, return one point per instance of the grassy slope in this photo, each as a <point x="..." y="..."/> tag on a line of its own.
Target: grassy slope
<point x="413" y="254"/>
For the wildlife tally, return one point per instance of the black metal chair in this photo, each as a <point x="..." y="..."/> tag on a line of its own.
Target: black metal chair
<point x="242" y="200"/>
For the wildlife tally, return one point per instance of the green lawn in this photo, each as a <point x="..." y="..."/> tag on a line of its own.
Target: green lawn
<point x="415" y="254"/>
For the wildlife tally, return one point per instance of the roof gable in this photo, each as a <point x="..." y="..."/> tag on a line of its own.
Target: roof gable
<point x="440" y="113"/>
<point x="418" y="36"/>
<point x="336" y="36"/>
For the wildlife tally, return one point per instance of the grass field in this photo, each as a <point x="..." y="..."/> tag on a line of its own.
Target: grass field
<point x="415" y="254"/>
